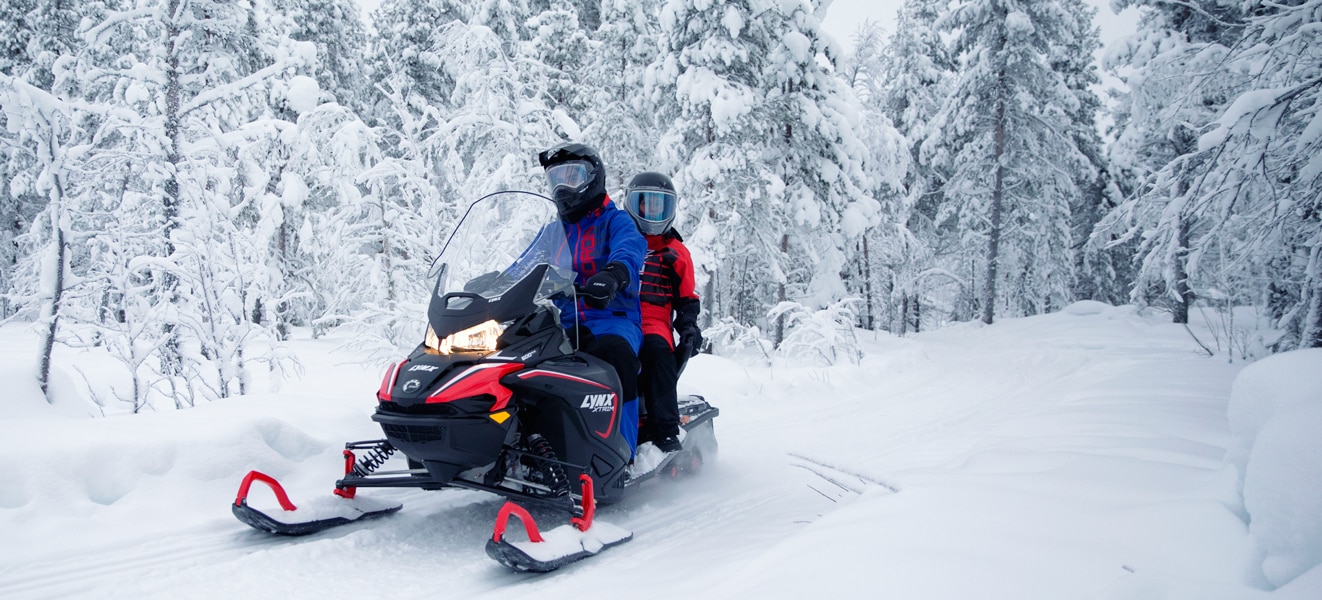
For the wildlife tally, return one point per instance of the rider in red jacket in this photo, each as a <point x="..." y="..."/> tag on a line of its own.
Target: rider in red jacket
<point x="669" y="303"/>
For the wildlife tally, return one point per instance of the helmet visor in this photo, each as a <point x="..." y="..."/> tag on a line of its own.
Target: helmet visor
<point x="654" y="206"/>
<point x="574" y="175"/>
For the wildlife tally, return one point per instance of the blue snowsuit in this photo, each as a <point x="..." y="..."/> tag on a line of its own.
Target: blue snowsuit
<point x="620" y="242"/>
<point x="608" y="234"/>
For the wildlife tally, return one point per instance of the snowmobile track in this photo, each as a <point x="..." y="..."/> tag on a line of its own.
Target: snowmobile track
<point x="850" y="481"/>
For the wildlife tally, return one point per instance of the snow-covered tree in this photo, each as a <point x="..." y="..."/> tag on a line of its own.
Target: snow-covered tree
<point x="1100" y="273"/>
<point x="337" y="30"/>
<point x="561" y="50"/>
<point x="50" y="130"/>
<point x="834" y="177"/>
<point x="403" y="51"/>
<point x="1004" y="135"/>
<point x="1171" y="96"/>
<point x="621" y="121"/>
<point x="160" y="84"/>
<point x="917" y="75"/>
<point x="1237" y="202"/>
<point x="763" y="142"/>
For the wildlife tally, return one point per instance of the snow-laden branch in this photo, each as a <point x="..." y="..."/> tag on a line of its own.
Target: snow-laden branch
<point x="231" y="89"/>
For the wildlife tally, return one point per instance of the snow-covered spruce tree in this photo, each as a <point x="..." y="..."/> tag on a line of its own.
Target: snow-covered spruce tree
<point x="746" y="87"/>
<point x="712" y="146"/>
<point x="869" y="275"/>
<point x="622" y="121"/>
<point x="380" y="236"/>
<point x="337" y="30"/>
<point x="917" y="74"/>
<point x="325" y="153"/>
<point x="403" y="52"/>
<point x="477" y="135"/>
<point x="503" y="115"/>
<point x="563" y="51"/>
<point x="1004" y="135"/>
<point x="1100" y="273"/>
<point x="15" y="32"/>
<point x="836" y="160"/>
<point x="508" y="19"/>
<point x="1168" y="66"/>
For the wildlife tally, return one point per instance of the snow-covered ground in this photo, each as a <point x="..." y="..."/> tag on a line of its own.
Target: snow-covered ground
<point x="1082" y="454"/>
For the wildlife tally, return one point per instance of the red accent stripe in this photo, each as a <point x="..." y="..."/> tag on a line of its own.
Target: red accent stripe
<point x="388" y="383"/>
<point x="475" y="381"/>
<point x="538" y="372"/>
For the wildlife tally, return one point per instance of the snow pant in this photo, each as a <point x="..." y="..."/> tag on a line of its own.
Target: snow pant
<point x="619" y="353"/>
<point x="660" y="373"/>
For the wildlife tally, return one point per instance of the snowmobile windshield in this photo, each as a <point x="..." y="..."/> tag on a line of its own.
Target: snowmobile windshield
<point x="498" y="242"/>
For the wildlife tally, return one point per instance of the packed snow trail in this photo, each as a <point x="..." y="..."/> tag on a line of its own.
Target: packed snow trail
<point x="1074" y="455"/>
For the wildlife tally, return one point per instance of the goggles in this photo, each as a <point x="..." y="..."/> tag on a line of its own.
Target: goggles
<point x="573" y="174"/>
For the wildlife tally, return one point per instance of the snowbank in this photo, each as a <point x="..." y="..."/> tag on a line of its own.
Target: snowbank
<point x="1275" y="415"/>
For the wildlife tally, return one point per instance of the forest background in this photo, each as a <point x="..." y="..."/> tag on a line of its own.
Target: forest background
<point x="183" y="182"/>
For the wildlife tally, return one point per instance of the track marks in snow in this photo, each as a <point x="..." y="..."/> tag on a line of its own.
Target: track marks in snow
<point x="845" y="481"/>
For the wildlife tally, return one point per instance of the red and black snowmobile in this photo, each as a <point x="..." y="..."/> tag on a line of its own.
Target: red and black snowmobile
<point x="497" y="399"/>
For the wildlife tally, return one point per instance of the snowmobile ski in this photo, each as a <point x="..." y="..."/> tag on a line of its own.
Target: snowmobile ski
<point x="312" y="517"/>
<point x="556" y="548"/>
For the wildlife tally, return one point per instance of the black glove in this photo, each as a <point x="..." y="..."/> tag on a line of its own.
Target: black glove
<point x="690" y="340"/>
<point x="602" y="287"/>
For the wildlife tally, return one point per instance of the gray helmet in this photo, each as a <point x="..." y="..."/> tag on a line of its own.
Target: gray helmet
<point x="651" y="200"/>
<point x="577" y="178"/>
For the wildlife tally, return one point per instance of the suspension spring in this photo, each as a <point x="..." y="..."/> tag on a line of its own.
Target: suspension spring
<point x="373" y="459"/>
<point x="554" y="473"/>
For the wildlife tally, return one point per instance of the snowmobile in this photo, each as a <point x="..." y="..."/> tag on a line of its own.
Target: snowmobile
<point x="497" y="398"/>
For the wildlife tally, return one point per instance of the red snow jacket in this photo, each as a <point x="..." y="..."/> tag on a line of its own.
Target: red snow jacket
<point x="669" y="300"/>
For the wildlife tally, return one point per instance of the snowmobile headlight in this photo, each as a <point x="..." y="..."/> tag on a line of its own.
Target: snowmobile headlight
<point x="478" y="338"/>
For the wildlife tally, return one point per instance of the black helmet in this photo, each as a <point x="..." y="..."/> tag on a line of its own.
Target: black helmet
<point x="651" y="201"/>
<point x="577" y="178"/>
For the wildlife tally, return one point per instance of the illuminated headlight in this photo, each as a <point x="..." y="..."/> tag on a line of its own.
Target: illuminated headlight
<point x="478" y="338"/>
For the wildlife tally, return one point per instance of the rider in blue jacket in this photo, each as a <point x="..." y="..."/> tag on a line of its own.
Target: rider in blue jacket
<point x="608" y="254"/>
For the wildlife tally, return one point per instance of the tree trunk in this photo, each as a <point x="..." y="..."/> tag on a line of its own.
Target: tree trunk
<point x="904" y="313"/>
<point x="51" y="313"/>
<point x="171" y="356"/>
<point x="1184" y="296"/>
<point x="1310" y="333"/>
<point x="781" y="294"/>
<point x="870" y="316"/>
<point x="998" y="199"/>
<point x="917" y="313"/>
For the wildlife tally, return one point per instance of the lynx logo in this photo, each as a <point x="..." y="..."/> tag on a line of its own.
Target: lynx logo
<point x="411" y="386"/>
<point x="423" y="368"/>
<point x="598" y="402"/>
